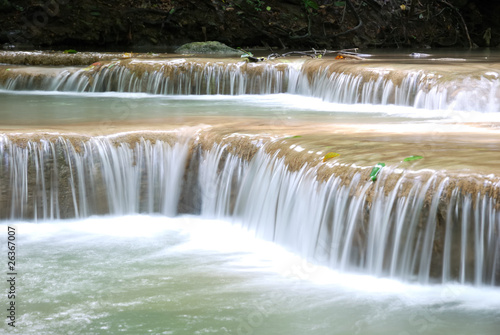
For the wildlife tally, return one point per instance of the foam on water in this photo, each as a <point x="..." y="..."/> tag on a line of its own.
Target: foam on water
<point x="240" y="250"/>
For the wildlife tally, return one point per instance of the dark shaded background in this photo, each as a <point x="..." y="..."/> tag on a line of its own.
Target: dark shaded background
<point x="160" y="24"/>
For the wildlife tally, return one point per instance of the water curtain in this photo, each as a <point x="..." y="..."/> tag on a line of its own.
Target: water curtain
<point x="425" y="226"/>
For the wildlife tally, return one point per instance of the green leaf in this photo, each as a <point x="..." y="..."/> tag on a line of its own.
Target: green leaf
<point x="268" y="8"/>
<point x="330" y="155"/>
<point x="296" y="136"/>
<point x="412" y="158"/>
<point x="376" y="170"/>
<point x="70" y="51"/>
<point x="311" y="4"/>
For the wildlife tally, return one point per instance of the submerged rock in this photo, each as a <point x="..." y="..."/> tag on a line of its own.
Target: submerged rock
<point x="211" y="47"/>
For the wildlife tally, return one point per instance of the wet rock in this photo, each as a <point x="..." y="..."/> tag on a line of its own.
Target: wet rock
<point x="211" y="48"/>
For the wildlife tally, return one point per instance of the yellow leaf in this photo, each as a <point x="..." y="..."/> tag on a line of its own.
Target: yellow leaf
<point x="330" y="155"/>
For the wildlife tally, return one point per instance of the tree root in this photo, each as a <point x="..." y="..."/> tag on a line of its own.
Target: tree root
<point x="308" y="30"/>
<point x="446" y="3"/>
<point x="360" y="22"/>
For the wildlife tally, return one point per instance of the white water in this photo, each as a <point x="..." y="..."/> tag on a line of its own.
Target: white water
<point x="151" y="274"/>
<point x="358" y="83"/>
<point x="330" y="223"/>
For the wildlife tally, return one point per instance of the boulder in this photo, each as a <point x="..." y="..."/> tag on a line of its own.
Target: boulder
<point x="210" y="47"/>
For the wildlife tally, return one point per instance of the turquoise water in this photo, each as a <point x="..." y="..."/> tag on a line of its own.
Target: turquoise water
<point x="40" y="108"/>
<point x="186" y="275"/>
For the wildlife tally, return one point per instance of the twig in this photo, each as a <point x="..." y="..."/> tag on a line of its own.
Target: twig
<point x="313" y="53"/>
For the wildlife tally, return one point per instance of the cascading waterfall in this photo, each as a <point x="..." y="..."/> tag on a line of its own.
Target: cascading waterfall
<point x="158" y="187"/>
<point x="392" y="234"/>
<point x="419" y="226"/>
<point x="178" y="77"/>
<point x="432" y="87"/>
<point x="218" y="183"/>
<point x="57" y="179"/>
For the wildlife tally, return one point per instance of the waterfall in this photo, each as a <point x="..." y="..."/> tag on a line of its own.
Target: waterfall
<point x="463" y="88"/>
<point x="178" y="77"/>
<point x="61" y="179"/>
<point x="424" y="226"/>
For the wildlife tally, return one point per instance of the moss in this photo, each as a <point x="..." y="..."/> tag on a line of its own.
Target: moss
<point x="211" y="48"/>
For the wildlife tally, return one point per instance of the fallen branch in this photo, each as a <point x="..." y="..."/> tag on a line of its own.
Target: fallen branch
<point x="313" y="53"/>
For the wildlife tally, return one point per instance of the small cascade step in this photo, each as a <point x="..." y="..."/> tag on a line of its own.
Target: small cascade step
<point x="434" y="86"/>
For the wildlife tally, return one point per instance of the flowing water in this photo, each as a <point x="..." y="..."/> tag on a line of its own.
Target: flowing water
<point x="196" y="200"/>
<point x="186" y="275"/>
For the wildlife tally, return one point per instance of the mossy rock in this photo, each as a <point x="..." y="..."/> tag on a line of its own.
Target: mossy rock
<point x="211" y="47"/>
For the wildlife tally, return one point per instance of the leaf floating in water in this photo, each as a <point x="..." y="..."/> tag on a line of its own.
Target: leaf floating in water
<point x="296" y="136"/>
<point x="70" y="51"/>
<point x="112" y="65"/>
<point x="376" y="170"/>
<point x="412" y="158"/>
<point x="330" y="155"/>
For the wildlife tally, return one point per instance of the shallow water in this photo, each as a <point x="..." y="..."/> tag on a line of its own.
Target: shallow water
<point x="186" y="275"/>
<point x="49" y="108"/>
<point x="42" y="108"/>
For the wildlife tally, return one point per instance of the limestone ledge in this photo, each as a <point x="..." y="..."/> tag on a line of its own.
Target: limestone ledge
<point x="358" y="155"/>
